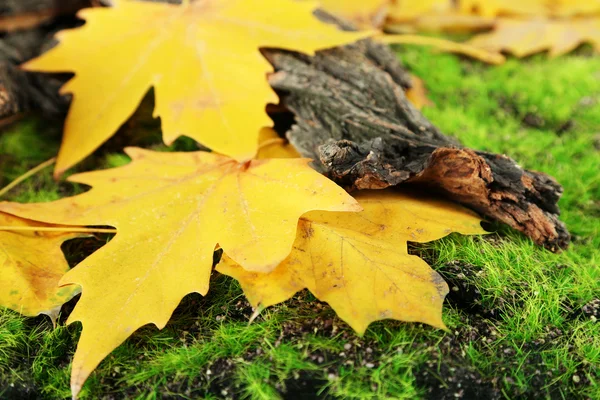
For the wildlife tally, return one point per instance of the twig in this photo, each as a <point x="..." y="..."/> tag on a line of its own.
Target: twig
<point x="26" y="175"/>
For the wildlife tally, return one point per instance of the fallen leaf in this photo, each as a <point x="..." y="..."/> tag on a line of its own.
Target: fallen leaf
<point x="202" y="59"/>
<point x="31" y="265"/>
<point x="273" y="146"/>
<point x="525" y="37"/>
<point x="492" y="8"/>
<point x="417" y="93"/>
<point x="408" y="10"/>
<point x="359" y="262"/>
<point x="534" y="8"/>
<point x="170" y="211"/>
<point x="364" y="14"/>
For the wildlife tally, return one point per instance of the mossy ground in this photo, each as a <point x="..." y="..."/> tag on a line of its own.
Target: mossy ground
<point x="523" y="321"/>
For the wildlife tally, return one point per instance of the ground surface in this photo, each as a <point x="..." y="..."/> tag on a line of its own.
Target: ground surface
<point x="523" y="321"/>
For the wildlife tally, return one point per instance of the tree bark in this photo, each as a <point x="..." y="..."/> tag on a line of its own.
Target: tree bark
<point x="24" y="14"/>
<point x="346" y="109"/>
<point x="351" y="115"/>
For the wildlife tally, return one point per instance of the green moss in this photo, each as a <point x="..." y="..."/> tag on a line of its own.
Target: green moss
<point x="524" y="332"/>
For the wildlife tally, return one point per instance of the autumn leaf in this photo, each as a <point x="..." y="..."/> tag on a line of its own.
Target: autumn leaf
<point x="359" y="262"/>
<point x="363" y="13"/>
<point x="31" y="265"/>
<point x="555" y="25"/>
<point x="408" y="10"/>
<point x="534" y="8"/>
<point x="436" y="20"/>
<point x="525" y="37"/>
<point x="272" y="146"/>
<point x="202" y="58"/>
<point x="417" y="93"/>
<point x="492" y="8"/>
<point x="170" y="211"/>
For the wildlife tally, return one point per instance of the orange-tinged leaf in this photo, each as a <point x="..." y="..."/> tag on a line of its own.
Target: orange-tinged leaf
<point x="170" y="211"/>
<point x="525" y="37"/>
<point x="202" y="59"/>
<point x="417" y="93"/>
<point x="359" y="262"/>
<point x="31" y="265"/>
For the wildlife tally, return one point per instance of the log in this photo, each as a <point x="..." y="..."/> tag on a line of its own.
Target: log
<point x="21" y="91"/>
<point x="25" y="14"/>
<point x="351" y="115"/>
<point x="346" y="108"/>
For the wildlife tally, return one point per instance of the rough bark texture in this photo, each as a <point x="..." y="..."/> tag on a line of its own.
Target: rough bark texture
<point x="23" y="14"/>
<point x="351" y="116"/>
<point x="21" y="91"/>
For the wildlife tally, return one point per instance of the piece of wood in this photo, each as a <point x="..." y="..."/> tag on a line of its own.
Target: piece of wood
<point x="351" y="115"/>
<point x="21" y="91"/>
<point x="26" y="14"/>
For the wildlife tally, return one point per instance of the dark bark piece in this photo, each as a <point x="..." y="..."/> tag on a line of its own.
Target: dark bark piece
<point x="22" y="91"/>
<point x="24" y="14"/>
<point x="352" y="117"/>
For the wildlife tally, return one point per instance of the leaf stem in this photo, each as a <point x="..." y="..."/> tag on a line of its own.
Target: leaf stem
<point x="444" y="45"/>
<point x="26" y="175"/>
<point x="65" y="229"/>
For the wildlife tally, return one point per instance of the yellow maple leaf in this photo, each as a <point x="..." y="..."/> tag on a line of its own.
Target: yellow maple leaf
<point x="272" y="146"/>
<point x="525" y="37"/>
<point x="202" y="59"/>
<point x="359" y="262"/>
<point x="31" y="265"/>
<point x="170" y="211"/>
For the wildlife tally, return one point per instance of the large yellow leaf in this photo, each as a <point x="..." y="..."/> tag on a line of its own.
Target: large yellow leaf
<point x="202" y="59"/>
<point x="170" y="211"/>
<point x="525" y="37"/>
<point x="359" y="262"/>
<point x="31" y="265"/>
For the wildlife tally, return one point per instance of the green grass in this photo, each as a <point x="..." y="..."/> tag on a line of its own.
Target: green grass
<point x="522" y="333"/>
